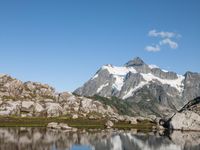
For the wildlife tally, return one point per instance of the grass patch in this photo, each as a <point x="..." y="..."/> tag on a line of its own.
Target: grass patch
<point x="81" y="123"/>
<point x="43" y="121"/>
<point x="142" y="125"/>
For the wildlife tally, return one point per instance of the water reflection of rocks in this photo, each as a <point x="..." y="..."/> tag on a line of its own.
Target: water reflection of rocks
<point x="47" y="139"/>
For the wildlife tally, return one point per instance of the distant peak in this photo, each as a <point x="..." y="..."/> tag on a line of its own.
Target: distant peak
<point x="137" y="61"/>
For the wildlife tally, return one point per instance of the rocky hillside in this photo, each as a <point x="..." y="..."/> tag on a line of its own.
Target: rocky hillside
<point x="147" y="88"/>
<point x="35" y="99"/>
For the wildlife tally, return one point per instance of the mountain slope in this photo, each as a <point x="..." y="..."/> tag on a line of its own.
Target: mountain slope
<point x="143" y="85"/>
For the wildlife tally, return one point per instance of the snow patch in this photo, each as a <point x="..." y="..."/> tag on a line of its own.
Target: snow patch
<point x="119" y="74"/>
<point x="119" y="82"/>
<point x="177" y="83"/>
<point x="101" y="87"/>
<point x="164" y="70"/>
<point x="140" y="85"/>
<point x="96" y="76"/>
<point x="153" y="66"/>
<point x="120" y="71"/>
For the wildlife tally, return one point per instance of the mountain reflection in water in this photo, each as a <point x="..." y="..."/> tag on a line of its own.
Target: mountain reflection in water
<point x="48" y="139"/>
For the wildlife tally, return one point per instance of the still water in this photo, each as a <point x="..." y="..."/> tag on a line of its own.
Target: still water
<point x="48" y="139"/>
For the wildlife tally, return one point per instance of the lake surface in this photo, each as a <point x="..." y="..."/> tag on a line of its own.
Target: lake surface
<point x="48" y="139"/>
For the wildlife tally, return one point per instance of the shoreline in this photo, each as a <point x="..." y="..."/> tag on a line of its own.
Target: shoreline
<point x="80" y="123"/>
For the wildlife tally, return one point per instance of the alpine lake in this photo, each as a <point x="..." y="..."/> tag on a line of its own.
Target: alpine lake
<point x="35" y="136"/>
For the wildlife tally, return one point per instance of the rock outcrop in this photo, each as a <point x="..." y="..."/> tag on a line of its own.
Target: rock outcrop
<point x="60" y="126"/>
<point x="31" y="99"/>
<point x="188" y="118"/>
<point x="109" y="124"/>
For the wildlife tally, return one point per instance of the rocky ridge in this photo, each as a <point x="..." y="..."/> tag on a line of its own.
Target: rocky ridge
<point x="32" y="99"/>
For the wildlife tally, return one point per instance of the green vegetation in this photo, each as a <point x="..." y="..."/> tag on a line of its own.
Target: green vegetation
<point x="43" y="121"/>
<point x="142" y="125"/>
<point x="78" y="123"/>
<point x="129" y="107"/>
<point x="123" y="107"/>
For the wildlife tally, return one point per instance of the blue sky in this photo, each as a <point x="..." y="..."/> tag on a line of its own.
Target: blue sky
<point x="63" y="43"/>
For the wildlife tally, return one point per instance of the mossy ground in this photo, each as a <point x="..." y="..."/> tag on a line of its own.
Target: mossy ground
<point x="43" y="121"/>
<point x="78" y="123"/>
<point x="142" y="125"/>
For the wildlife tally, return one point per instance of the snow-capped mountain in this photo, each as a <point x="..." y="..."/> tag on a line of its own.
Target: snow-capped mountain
<point x="143" y="84"/>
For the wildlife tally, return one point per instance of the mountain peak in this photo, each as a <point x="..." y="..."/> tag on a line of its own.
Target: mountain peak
<point x="137" y="61"/>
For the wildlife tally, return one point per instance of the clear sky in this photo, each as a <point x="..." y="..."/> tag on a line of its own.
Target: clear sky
<point x="64" y="42"/>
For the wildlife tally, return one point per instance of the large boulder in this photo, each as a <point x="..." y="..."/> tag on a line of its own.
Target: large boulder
<point x="74" y="116"/>
<point x="131" y="120"/>
<point x="186" y="120"/>
<point x="53" y="109"/>
<point x="27" y="106"/>
<point x="53" y="125"/>
<point x="10" y="108"/>
<point x="65" y="126"/>
<point x="62" y="126"/>
<point x="109" y="124"/>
